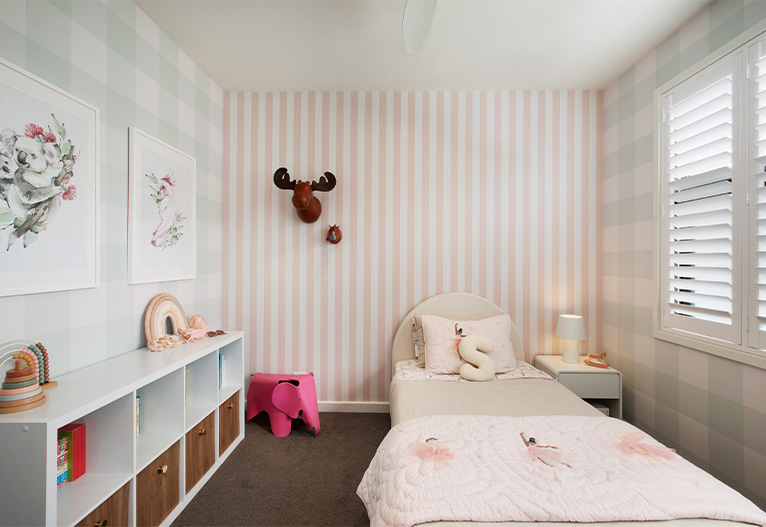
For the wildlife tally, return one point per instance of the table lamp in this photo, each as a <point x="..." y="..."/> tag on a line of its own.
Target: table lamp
<point x="571" y="328"/>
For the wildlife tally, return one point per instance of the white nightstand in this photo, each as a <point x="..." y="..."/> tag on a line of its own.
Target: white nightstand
<point x="597" y="385"/>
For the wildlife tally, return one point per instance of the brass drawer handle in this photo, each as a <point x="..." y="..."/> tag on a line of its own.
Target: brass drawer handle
<point x="162" y="470"/>
<point x="203" y="431"/>
<point x="102" y="523"/>
<point x="231" y="405"/>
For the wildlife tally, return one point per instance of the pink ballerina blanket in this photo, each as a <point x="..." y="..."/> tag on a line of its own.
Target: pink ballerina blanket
<point x="541" y="468"/>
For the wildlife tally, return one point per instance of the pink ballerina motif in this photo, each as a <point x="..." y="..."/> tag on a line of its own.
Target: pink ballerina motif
<point x="547" y="454"/>
<point x="458" y="337"/>
<point x="431" y="449"/>
<point x="633" y="443"/>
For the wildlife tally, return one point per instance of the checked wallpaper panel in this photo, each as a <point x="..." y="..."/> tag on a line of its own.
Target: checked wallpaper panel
<point x="709" y="408"/>
<point x="111" y="55"/>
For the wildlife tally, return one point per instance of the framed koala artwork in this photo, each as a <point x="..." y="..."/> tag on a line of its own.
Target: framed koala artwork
<point x="48" y="186"/>
<point x="161" y="211"/>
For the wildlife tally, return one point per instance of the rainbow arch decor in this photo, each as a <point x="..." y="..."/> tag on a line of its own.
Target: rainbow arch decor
<point x="164" y="310"/>
<point x="166" y="325"/>
<point x="23" y="384"/>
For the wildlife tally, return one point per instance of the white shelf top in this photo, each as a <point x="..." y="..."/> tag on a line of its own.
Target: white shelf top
<point x="556" y="363"/>
<point x="82" y="391"/>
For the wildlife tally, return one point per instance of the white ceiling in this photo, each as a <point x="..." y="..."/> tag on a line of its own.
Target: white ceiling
<point x="339" y="45"/>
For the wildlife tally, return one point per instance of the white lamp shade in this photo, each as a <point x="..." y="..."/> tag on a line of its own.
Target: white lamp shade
<point x="570" y="327"/>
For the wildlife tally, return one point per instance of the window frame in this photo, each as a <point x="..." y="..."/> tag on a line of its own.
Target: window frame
<point x="741" y="352"/>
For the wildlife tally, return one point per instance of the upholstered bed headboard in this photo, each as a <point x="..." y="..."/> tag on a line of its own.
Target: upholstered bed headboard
<point x="456" y="306"/>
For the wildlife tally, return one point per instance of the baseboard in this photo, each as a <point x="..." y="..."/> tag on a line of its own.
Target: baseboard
<point x="358" y="407"/>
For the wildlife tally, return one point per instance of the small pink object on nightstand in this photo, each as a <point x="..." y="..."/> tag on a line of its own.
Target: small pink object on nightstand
<point x="284" y="398"/>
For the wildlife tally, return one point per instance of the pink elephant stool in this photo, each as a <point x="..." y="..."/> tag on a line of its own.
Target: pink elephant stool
<point x="284" y="397"/>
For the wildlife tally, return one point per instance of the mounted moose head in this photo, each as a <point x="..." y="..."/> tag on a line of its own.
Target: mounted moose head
<point x="306" y="205"/>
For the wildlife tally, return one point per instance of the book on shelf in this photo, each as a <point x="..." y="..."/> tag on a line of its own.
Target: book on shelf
<point x="138" y="415"/>
<point x="74" y="446"/>
<point x="221" y="360"/>
<point x="61" y="447"/>
<point x="61" y="478"/>
<point x="61" y="460"/>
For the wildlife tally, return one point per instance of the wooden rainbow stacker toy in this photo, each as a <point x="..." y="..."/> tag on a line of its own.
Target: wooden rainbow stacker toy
<point x="21" y="389"/>
<point x="23" y="385"/>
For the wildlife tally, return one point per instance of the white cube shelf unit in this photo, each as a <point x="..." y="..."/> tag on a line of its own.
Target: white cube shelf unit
<point x="103" y="396"/>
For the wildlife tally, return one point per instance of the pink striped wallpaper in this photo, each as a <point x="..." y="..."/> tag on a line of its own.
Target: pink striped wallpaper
<point x="495" y="193"/>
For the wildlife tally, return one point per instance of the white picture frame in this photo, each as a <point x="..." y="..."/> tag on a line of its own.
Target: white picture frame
<point x="49" y="186"/>
<point x="161" y="212"/>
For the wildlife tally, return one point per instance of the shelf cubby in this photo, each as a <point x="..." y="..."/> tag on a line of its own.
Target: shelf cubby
<point x="233" y="372"/>
<point x="161" y="417"/>
<point x="108" y="460"/>
<point x="201" y="389"/>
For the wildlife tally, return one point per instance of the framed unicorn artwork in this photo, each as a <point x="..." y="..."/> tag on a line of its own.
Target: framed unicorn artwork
<point x="161" y="212"/>
<point x="49" y="166"/>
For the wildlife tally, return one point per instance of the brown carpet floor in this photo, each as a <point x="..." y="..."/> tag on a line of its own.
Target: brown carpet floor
<point x="298" y="480"/>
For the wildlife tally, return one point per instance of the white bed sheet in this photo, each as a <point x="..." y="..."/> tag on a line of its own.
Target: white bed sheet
<point x="514" y="397"/>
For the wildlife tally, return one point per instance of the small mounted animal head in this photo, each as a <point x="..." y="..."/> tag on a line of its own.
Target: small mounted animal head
<point x="334" y="235"/>
<point x="306" y="205"/>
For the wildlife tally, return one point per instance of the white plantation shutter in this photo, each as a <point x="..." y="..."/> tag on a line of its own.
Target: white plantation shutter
<point x="712" y="194"/>
<point x="700" y="283"/>
<point x="757" y="196"/>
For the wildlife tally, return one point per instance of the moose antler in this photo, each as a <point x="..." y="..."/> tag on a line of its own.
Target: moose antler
<point x="325" y="184"/>
<point x="282" y="180"/>
<point x="306" y="205"/>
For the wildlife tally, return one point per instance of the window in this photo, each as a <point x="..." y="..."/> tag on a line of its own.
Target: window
<point x="712" y="194"/>
<point x="757" y="197"/>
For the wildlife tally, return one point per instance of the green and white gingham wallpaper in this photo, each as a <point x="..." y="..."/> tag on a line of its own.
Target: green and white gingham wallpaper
<point x="711" y="409"/>
<point x="113" y="56"/>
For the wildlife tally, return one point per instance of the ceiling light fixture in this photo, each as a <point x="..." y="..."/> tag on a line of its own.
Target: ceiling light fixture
<point x="416" y="22"/>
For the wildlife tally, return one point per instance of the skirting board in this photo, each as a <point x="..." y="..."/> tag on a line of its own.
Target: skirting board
<point x="357" y="407"/>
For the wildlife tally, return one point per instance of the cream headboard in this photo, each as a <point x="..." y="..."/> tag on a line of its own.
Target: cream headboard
<point x="457" y="306"/>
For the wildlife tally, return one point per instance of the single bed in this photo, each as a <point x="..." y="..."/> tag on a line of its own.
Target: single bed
<point x="420" y="405"/>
